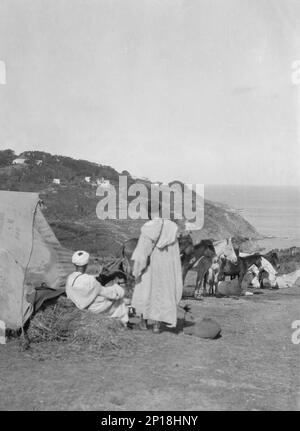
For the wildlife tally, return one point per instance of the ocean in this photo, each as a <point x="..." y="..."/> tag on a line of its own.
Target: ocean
<point x="273" y="210"/>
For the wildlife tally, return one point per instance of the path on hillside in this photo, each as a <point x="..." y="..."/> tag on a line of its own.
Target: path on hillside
<point x="253" y="366"/>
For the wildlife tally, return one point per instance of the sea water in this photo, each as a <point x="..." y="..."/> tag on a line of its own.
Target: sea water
<point x="273" y="210"/>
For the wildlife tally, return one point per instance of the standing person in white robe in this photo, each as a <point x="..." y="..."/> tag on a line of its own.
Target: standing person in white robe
<point x="88" y="294"/>
<point x="157" y="269"/>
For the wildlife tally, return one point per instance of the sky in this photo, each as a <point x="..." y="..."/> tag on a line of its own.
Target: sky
<point x="194" y="90"/>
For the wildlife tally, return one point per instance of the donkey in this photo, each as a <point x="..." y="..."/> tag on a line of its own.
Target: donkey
<point x="205" y="272"/>
<point x="191" y="258"/>
<point x="186" y="249"/>
<point x="189" y="255"/>
<point x="239" y="269"/>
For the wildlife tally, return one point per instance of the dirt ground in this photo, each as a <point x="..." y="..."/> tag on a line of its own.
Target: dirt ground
<point x="253" y="366"/>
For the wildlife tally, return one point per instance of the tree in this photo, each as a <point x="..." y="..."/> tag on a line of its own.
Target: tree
<point x="6" y="157"/>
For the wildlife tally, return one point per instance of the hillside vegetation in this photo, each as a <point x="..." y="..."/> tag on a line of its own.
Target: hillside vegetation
<point x="70" y="207"/>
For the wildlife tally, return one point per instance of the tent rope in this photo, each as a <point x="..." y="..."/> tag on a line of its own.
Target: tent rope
<point x="26" y="269"/>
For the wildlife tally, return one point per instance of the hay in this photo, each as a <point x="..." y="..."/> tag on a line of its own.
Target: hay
<point x="63" y="322"/>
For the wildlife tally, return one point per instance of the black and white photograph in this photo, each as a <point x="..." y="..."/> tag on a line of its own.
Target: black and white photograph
<point x="149" y="208"/>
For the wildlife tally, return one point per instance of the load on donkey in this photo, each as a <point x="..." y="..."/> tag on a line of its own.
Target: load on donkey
<point x="190" y="255"/>
<point x="198" y="257"/>
<point x="204" y="265"/>
<point x="122" y="266"/>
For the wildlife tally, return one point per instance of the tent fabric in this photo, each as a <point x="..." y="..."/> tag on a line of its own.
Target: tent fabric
<point x="30" y="255"/>
<point x="289" y="280"/>
<point x="11" y="288"/>
<point x="268" y="273"/>
<point x="252" y="277"/>
<point x="41" y="295"/>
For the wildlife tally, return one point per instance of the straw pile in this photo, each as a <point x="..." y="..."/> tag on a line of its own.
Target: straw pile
<point x="62" y="321"/>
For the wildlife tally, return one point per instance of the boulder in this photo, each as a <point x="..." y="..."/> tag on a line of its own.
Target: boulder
<point x="206" y="328"/>
<point x="229" y="288"/>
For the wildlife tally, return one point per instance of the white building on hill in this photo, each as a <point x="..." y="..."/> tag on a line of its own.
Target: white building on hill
<point x="103" y="183"/>
<point x="19" y="161"/>
<point x="56" y="181"/>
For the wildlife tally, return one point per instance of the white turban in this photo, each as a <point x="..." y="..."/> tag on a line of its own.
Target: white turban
<point x="80" y="258"/>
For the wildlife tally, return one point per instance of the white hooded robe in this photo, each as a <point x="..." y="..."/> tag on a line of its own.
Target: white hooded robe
<point x="158" y="288"/>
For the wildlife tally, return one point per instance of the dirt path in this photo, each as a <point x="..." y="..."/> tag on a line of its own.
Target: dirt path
<point x="253" y="366"/>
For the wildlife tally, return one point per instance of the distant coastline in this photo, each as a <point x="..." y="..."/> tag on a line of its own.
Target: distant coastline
<point x="273" y="210"/>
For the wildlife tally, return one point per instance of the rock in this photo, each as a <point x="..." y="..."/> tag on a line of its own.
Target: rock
<point x="206" y="328"/>
<point x="229" y="288"/>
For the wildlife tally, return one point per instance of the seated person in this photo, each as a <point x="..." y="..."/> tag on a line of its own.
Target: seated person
<point x="88" y="294"/>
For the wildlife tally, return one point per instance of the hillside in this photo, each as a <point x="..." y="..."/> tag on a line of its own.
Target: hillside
<point x="70" y="207"/>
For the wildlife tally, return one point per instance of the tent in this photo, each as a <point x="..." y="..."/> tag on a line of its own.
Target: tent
<point x="289" y="280"/>
<point x="30" y="255"/>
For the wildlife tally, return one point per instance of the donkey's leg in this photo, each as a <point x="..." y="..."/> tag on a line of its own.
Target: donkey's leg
<point x="197" y="293"/>
<point x="214" y="285"/>
<point x="185" y="268"/>
<point x="202" y="269"/>
<point x="205" y="285"/>
<point x="241" y="277"/>
<point x="208" y="279"/>
<point x="214" y="288"/>
<point x="216" y="282"/>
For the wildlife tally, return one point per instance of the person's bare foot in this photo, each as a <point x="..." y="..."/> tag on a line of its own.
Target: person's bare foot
<point x="156" y="328"/>
<point x="143" y="324"/>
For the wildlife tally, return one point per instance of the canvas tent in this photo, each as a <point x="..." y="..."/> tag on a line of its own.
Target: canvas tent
<point x="30" y="255"/>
